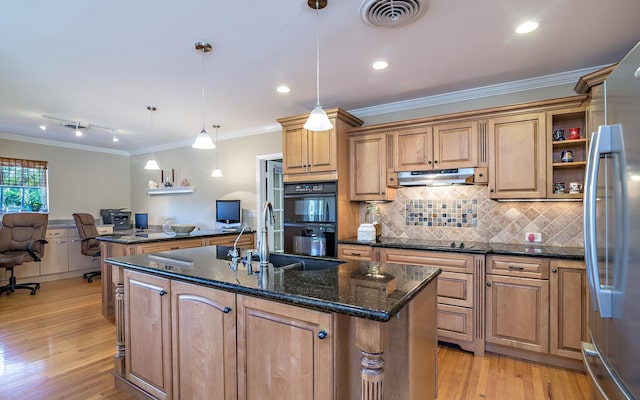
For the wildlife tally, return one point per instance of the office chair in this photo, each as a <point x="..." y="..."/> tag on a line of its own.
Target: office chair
<point x="21" y="240"/>
<point x="89" y="246"/>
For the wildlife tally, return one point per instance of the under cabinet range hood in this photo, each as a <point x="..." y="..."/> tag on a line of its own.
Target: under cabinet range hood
<point x="436" y="177"/>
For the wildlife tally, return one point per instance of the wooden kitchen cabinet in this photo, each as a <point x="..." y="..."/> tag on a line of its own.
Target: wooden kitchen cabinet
<point x="517" y="156"/>
<point x="566" y="171"/>
<point x="147" y="322"/>
<point x="284" y="352"/>
<point x="56" y="252"/>
<point x="168" y="245"/>
<point x="460" y="301"/>
<point x="368" y="171"/>
<point x="453" y="145"/>
<point x="568" y="305"/>
<point x="315" y="156"/>
<point x="246" y="241"/>
<point x="355" y="252"/>
<point x="203" y="329"/>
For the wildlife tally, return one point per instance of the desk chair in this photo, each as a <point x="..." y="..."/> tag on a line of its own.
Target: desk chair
<point x="21" y="240"/>
<point x="89" y="246"/>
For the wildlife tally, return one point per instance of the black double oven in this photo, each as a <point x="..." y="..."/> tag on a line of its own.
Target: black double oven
<point x="310" y="214"/>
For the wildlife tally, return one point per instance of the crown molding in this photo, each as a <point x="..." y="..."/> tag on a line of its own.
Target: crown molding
<point x="562" y="78"/>
<point x="49" y="142"/>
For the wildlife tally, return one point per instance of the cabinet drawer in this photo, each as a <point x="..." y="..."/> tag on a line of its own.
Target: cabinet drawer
<point x="105" y="230"/>
<point x="245" y="241"/>
<point x="355" y="252"/>
<point x="56" y="233"/>
<point x="455" y="289"/>
<point x="451" y="262"/>
<point x="455" y="323"/>
<point x="526" y="267"/>
<point x="171" y="245"/>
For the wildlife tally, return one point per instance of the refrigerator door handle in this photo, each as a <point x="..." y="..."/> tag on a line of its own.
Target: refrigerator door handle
<point x="589" y="350"/>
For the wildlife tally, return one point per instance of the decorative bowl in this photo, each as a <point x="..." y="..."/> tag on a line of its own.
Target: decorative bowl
<point x="182" y="229"/>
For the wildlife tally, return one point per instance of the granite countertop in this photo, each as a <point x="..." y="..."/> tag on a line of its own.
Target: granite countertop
<point x="147" y="237"/>
<point x="346" y="289"/>
<point x="569" y="253"/>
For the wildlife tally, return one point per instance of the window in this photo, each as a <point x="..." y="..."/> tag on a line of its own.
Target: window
<point x="23" y="185"/>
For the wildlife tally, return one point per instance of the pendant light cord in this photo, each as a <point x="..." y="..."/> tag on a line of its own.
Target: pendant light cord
<point x="152" y="109"/>
<point x="203" y="54"/>
<point x="317" y="54"/>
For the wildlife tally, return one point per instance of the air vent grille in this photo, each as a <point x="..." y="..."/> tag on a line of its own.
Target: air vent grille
<point x="391" y="13"/>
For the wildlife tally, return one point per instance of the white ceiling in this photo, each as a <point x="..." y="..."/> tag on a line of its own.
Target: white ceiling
<point x="104" y="62"/>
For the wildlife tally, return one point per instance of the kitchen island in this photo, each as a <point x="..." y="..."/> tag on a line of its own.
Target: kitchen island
<point x="189" y="324"/>
<point x="149" y="242"/>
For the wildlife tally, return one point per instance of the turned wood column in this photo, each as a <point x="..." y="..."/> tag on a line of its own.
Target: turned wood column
<point x="370" y="338"/>
<point x="118" y="282"/>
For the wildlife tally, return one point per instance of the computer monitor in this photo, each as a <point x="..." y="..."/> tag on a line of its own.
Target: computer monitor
<point x="228" y="211"/>
<point x="141" y="221"/>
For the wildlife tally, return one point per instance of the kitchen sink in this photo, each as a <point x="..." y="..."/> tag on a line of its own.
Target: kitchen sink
<point x="302" y="263"/>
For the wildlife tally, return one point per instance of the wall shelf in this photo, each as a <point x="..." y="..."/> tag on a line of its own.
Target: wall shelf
<point x="169" y="190"/>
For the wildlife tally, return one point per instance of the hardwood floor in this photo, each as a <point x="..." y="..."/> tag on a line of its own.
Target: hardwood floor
<point x="57" y="345"/>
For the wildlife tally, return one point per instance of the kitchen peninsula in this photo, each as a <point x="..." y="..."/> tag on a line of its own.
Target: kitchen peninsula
<point x="189" y="323"/>
<point x="142" y="243"/>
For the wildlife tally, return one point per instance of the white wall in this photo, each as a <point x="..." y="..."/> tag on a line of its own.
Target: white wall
<point x="79" y="180"/>
<point x="236" y="159"/>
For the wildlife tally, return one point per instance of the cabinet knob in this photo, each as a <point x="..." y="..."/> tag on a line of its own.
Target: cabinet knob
<point x="162" y="293"/>
<point x="390" y="179"/>
<point x="491" y="190"/>
<point x="488" y="283"/>
<point x="554" y="270"/>
<point x="381" y="192"/>
<point x="429" y="162"/>
<point x="435" y="162"/>
<point x="322" y="334"/>
<point x="226" y="310"/>
<point x="480" y="174"/>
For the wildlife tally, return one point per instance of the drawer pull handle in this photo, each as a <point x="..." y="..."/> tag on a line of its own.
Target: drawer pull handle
<point x="356" y="254"/>
<point x="162" y="293"/>
<point x="175" y="248"/>
<point x="554" y="270"/>
<point x="516" y="268"/>
<point x="226" y="310"/>
<point x="322" y="334"/>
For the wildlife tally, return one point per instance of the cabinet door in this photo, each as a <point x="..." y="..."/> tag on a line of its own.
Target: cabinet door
<point x="568" y="323"/>
<point x="517" y="312"/>
<point x="322" y="152"/>
<point x="517" y="157"/>
<point x="148" y="333"/>
<point x="368" y="167"/>
<point x="413" y="149"/>
<point x="294" y="145"/>
<point x="56" y="252"/>
<point x="77" y="260"/>
<point x="455" y="145"/>
<point x="204" y="329"/>
<point x="284" y="352"/>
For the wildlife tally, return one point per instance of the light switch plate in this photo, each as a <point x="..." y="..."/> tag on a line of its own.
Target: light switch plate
<point x="533" y="237"/>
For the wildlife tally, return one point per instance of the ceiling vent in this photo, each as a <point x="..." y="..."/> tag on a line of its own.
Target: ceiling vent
<point x="391" y="13"/>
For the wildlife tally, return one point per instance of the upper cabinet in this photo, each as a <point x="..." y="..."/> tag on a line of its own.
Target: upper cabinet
<point x="443" y="146"/>
<point x="517" y="156"/>
<point x="316" y="156"/>
<point x="369" y="164"/>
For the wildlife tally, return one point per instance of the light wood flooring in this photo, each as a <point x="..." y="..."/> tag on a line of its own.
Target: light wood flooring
<point x="57" y="345"/>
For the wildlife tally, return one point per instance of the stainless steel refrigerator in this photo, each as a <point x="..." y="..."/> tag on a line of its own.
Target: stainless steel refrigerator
<point x="612" y="236"/>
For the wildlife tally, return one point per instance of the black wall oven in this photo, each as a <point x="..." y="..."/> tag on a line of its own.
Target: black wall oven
<point x="310" y="214"/>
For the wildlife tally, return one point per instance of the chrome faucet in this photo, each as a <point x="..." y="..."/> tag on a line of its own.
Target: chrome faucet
<point x="234" y="252"/>
<point x="263" y="246"/>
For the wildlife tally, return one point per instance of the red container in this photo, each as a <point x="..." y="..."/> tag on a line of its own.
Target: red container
<point x="574" y="133"/>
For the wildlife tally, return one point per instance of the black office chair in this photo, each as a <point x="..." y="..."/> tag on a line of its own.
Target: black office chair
<point x="21" y="240"/>
<point x="89" y="246"/>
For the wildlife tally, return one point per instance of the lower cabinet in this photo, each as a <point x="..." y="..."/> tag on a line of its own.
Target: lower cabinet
<point x="460" y="302"/>
<point x="246" y="241"/>
<point x="187" y="341"/>
<point x="357" y="252"/>
<point x="56" y="252"/>
<point x="284" y="352"/>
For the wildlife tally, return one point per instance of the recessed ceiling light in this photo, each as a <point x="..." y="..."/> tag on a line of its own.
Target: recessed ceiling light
<point x="380" y="65"/>
<point x="527" y="27"/>
<point x="283" y="89"/>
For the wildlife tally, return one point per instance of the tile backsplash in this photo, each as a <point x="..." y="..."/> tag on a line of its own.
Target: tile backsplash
<point x="465" y="213"/>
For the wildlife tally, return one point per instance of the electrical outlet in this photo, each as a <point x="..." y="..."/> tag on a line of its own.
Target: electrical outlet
<point x="533" y="237"/>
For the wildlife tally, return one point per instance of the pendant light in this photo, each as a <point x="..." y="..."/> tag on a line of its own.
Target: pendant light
<point x="217" y="173"/>
<point x="203" y="140"/>
<point x="152" y="164"/>
<point x="318" y="119"/>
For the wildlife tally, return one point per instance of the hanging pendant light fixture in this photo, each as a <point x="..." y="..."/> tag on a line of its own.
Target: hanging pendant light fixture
<point x="217" y="173"/>
<point x="203" y="140"/>
<point x="318" y="119"/>
<point x="152" y="164"/>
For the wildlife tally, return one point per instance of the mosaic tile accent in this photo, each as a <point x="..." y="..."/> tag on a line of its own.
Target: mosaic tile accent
<point x="559" y="222"/>
<point x="455" y="213"/>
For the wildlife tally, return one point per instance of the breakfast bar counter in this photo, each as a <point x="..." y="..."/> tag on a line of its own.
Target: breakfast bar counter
<point x="304" y="327"/>
<point x="141" y="243"/>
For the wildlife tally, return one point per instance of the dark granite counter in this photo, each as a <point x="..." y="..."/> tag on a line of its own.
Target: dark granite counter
<point x="569" y="253"/>
<point x="346" y="289"/>
<point x="147" y="237"/>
